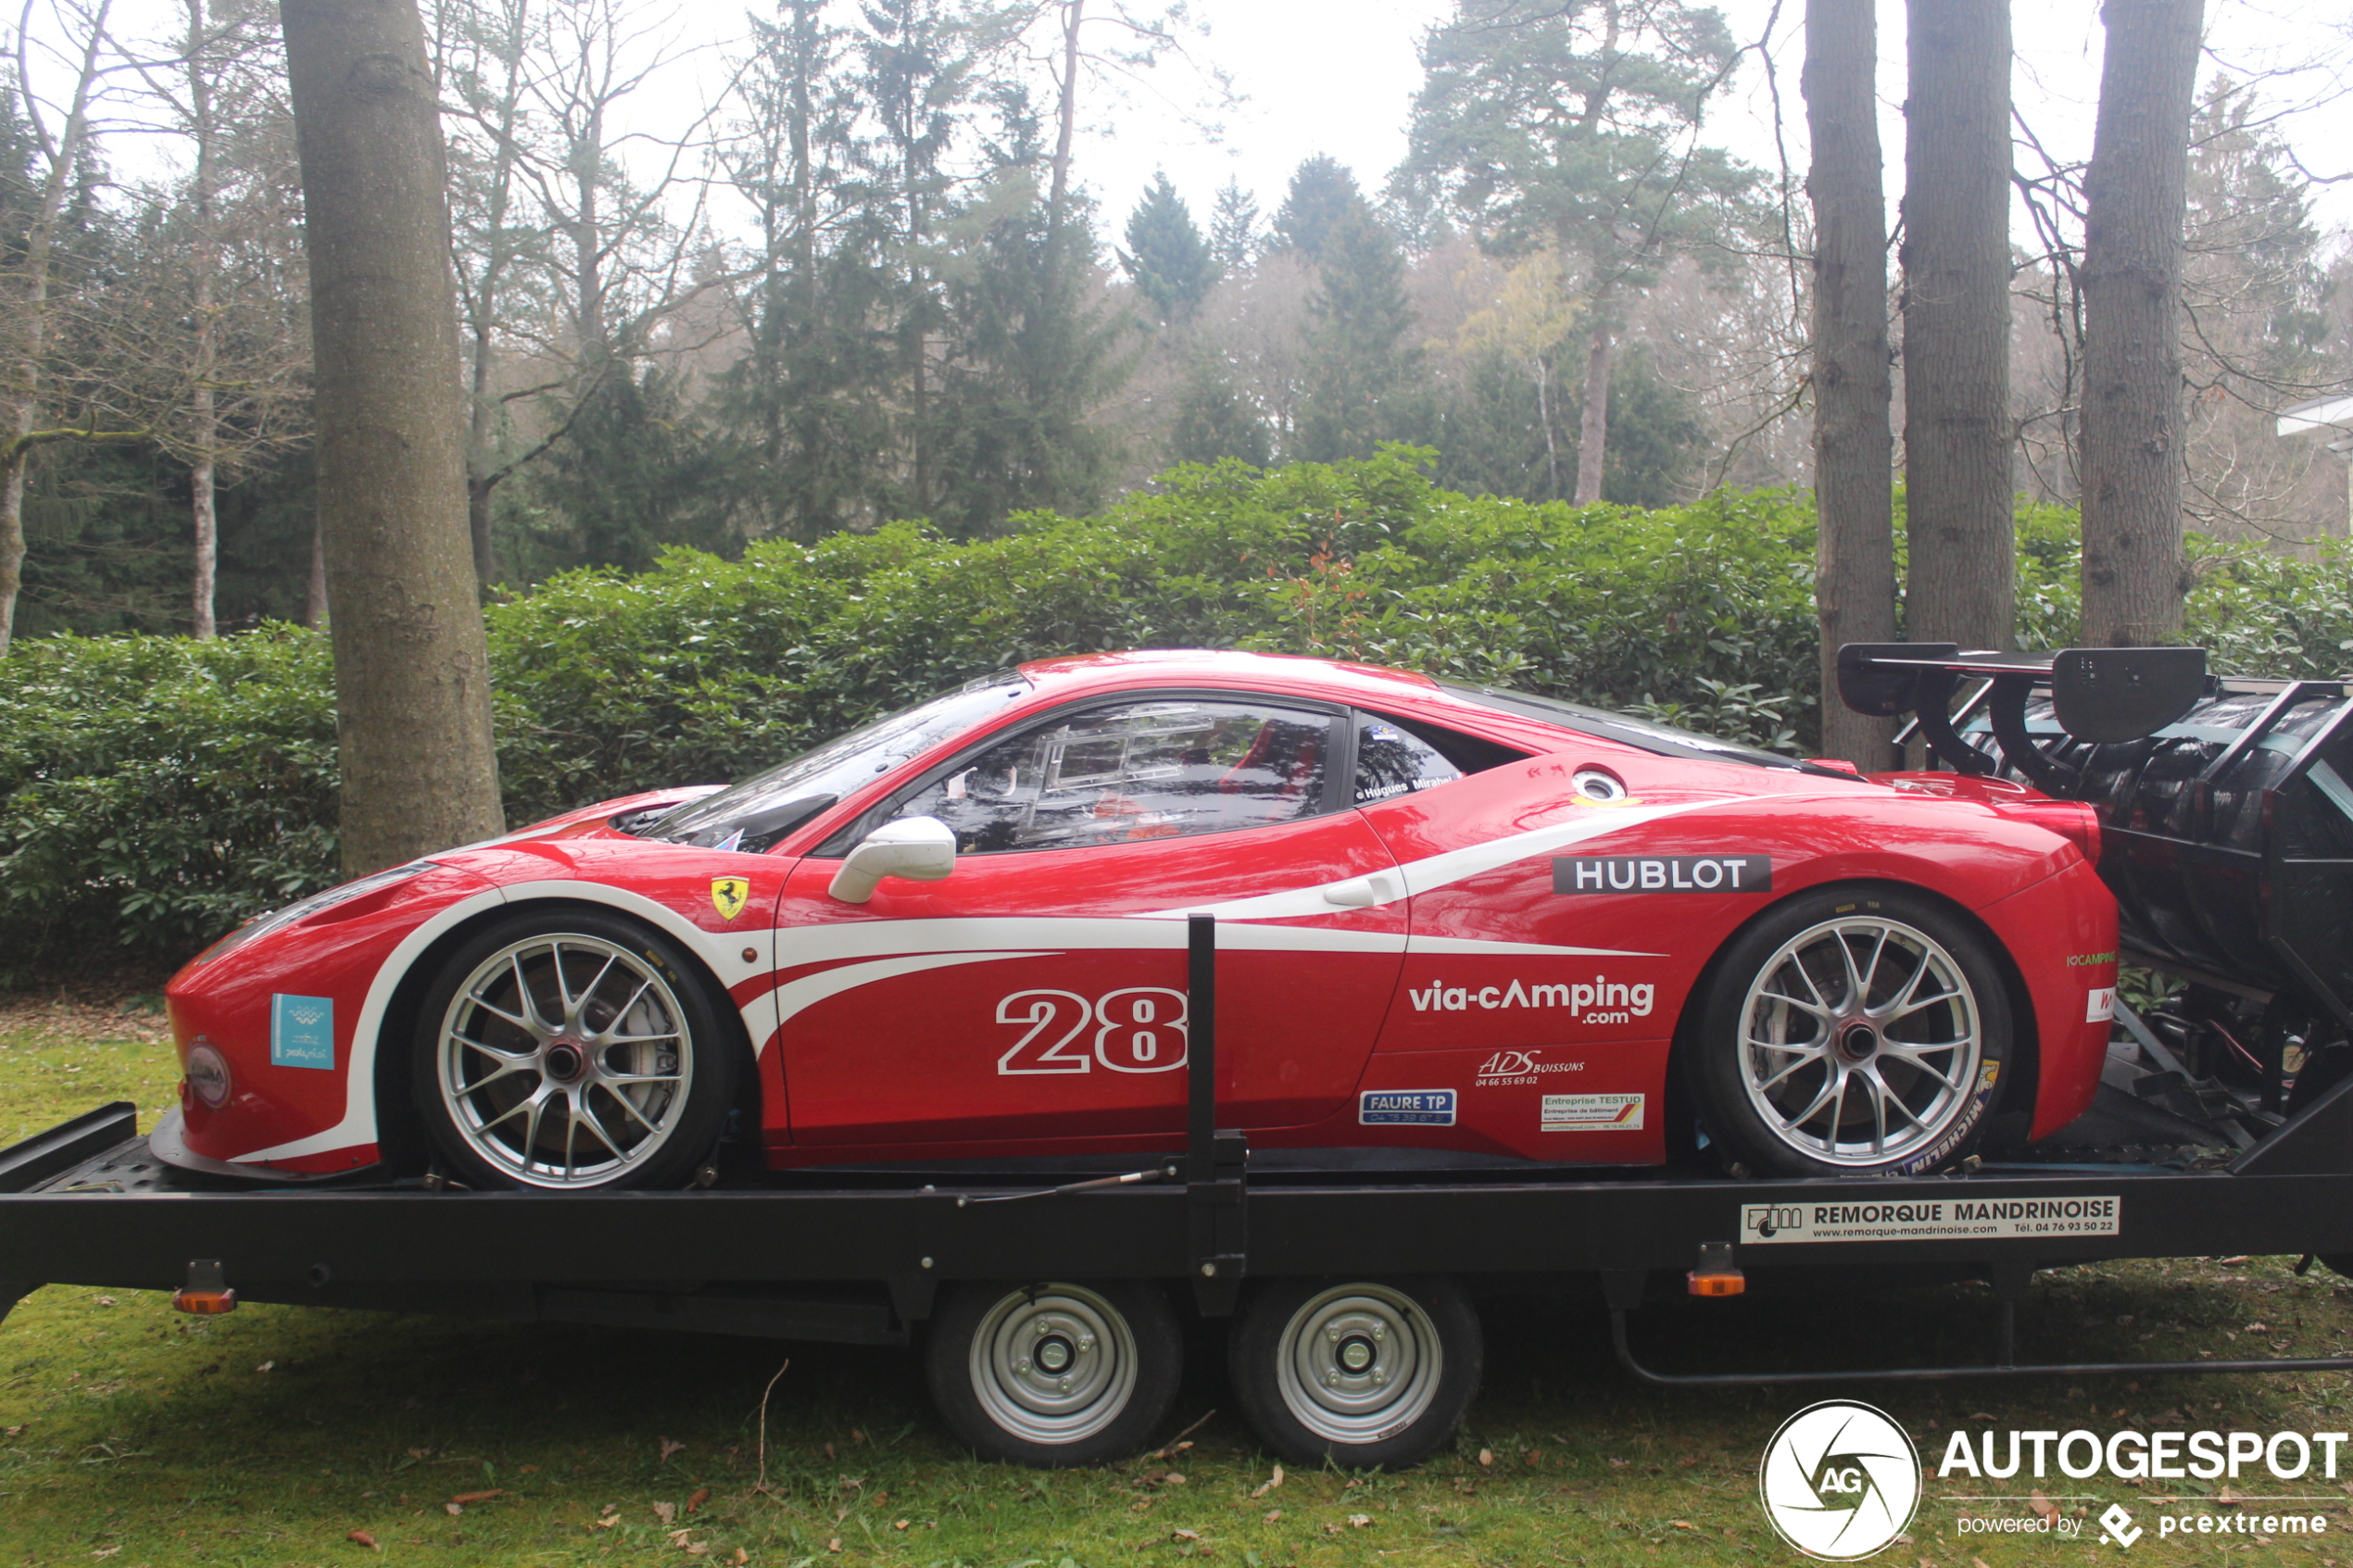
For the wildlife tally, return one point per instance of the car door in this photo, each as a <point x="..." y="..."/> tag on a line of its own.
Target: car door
<point x="1036" y="998"/>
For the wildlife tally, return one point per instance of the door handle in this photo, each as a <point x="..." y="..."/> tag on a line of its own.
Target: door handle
<point x="1361" y="892"/>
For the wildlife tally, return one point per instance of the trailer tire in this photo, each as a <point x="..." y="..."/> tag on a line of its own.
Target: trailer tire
<point x="642" y="1064"/>
<point x="1055" y="1375"/>
<point x="1365" y="1374"/>
<point x="1822" y="994"/>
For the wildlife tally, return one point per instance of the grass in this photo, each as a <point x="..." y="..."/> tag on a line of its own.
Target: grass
<point x="280" y="1435"/>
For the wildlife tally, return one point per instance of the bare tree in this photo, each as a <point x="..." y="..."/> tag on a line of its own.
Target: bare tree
<point x="2133" y="579"/>
<point x="412" y="692"/>
<point x="33" y="281"/>
<point x="1854" y="445"/>
<point x="1962" y="587"/>
<point x="209" y="317"/>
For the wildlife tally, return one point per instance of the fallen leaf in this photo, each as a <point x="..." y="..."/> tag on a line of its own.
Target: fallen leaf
<point x="1270" y="1484"/>
<point x="1359" y="1521"/>
<point x="833" y="1545"/>
<point x="265" y="1366"/>
<point x="2228" y="1498"/>
<point x="696" y="1548"/>
<point x="669" y="1447"/>
<point x="1173" y="1479"/>
<point x="363" y="1538"/>
<point x="2232" y="1263"/>
<point x="1184" y="1534"/>
<point x="1619" y="1463"/>
<point x="610" y="1509"/>
<point x="856" y="1435"/>
<point x="1682" y="1525"/>
<point x="667" y="1512"/>
<point x="480" y="1497"/>
<point x="2258" y="1328"/>
<point x="1486" y="1457"/>
<point x="1270" y="1516"/>
<point x="108" y="1301"/>
<point x="702" y="1496"/>
<point x="742" y="1556"/>
<point x="530" y="1469"/>
<point x="901" y="1525"/>
<point x="2044" y="1508"/>
<point x="106" y="1551"/>
<point x="678" y="1539"/>
<point x="829" y="1451"/>
<point x="453" y="1508"/>
<point x="1977" y="1562"/>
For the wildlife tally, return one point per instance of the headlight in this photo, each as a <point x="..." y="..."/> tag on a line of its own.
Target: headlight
<point x="278" y="919"/>
<point x="208" y="1074"/>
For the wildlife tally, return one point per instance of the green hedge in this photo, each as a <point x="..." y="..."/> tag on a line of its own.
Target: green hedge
<point x="154" y="791"/>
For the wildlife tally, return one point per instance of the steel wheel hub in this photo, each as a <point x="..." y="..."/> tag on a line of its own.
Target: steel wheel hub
<point x="564" y="1061"/>
<point x="1358" y="1363"/>
<point x="1054" y="1365"/>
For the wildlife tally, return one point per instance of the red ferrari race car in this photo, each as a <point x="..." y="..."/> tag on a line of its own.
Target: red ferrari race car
<point x="1456" y="926"/>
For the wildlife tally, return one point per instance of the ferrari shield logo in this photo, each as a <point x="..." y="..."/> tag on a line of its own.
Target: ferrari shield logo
<point x="727" y="896"/>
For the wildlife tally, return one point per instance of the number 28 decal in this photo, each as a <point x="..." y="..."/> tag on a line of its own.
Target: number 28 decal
<point x="1141" y="1029"/>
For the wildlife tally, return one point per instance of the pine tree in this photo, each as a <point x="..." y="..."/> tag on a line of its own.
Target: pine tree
<point x="1322" y="195"/>
<point x="1215" y="422"/>
<point x="1564" y="124"/>
<point x="1364" y="383"/>
<point x="1233" y="227"/>
<point x="1166" y="257"/>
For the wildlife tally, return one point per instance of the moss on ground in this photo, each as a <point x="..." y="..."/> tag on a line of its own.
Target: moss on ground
<point x="280" y="1435"/>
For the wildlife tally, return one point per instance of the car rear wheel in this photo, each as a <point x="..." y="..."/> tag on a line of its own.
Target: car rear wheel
<point x="574" y="1052"/>
<point x="1851" y="1032"/>
<point x="1055" y="1375"/>
<point x="1368" y="1374"/>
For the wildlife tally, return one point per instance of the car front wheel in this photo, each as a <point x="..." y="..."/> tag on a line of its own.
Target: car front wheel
<point x="1853" y="1033"/>
<point x="572" y="1051"/>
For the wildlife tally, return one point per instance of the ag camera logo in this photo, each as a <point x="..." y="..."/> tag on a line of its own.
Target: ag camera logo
<point x="1840" y="1480"/>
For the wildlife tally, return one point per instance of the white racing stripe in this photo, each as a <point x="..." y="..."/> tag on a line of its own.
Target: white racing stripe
<point x="896" y="947"/>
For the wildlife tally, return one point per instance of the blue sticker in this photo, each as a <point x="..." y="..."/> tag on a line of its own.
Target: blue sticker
<point x="302" y="1032"/>
<point x="1427" y="1108"/>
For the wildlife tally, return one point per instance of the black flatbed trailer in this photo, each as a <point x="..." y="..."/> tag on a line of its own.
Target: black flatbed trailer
<point x="1378" y="1262"/>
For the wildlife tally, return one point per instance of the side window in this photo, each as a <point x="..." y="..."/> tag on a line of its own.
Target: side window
<point x="1141" y="770"/>
<point x="1392" y="760"/>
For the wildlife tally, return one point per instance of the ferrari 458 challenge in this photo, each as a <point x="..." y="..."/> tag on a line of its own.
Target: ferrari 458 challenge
<point x="1457" y="927"/>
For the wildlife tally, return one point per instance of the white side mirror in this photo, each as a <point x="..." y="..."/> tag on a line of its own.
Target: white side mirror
<point x="919" y="848"/>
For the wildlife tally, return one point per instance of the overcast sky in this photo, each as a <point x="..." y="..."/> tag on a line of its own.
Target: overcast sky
<point x="1339" y="76"/>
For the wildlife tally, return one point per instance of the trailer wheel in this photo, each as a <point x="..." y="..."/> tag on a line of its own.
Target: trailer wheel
<point x="1055" y="1375"/>
<point x="1851" y="1032"/>
<point x="1368" y="1374"/>
<point x="572" y="1051"/>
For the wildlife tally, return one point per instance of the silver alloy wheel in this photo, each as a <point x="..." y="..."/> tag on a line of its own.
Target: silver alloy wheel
<point x="564" y="1061"/>
<point x="1358" y="1363"/>
<point x="1861" y="1041"/>
<point x="1053" y="1364"/>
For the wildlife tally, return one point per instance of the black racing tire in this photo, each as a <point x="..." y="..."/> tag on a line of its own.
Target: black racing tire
<point x="1365" y="1375"/>
<point x="1800" y="1071"/>
<point x="1055" y="1375"/>
<point x="633" y="1066"/>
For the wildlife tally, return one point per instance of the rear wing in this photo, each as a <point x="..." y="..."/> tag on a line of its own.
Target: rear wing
<point x="2103" y="695"/>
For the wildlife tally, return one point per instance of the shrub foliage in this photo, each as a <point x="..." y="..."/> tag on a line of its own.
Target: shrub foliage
<point x="155" y="791"/>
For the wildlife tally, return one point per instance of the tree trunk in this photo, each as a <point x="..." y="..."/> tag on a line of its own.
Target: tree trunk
<point x="1854" y="445"/>
<point x="1957" y="324"/>
<point x="1067" y="115"/>
<point x="204" y="257"/>
<point x="1593" y="431"/>
<point x="314" y="597"/>
<point x="412" y="692"/>
<point x="24" y="322"/>
<point x="2134" y="574"/>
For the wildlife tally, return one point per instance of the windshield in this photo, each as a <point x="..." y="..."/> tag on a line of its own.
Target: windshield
<point x="757" y="812"/>
<point x="1664" y="740"/>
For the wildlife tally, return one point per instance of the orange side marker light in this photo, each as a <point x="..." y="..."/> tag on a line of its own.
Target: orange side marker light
<point x="207" y="1293"/>
<point x="1717" y="1273"/>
